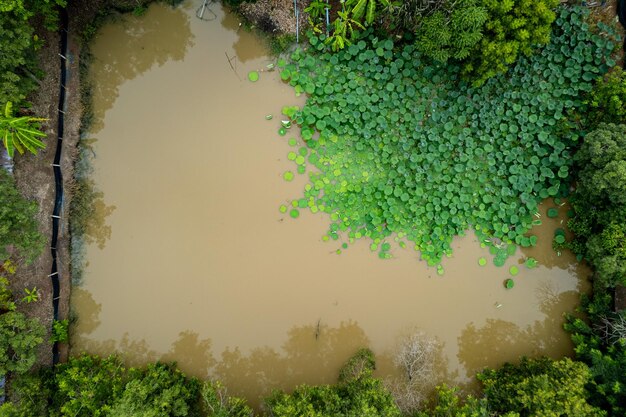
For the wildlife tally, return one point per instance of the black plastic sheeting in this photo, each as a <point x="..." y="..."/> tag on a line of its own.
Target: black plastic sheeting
<point x="55" y="275"/>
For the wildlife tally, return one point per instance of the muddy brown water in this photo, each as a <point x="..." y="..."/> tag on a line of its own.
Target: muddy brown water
<point x="193" y="262"/>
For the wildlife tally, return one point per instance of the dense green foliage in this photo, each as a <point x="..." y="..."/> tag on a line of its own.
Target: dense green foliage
<point x="30" y="397"/>
<point x="18" y="44"/>
<point x="18" y="226"/>
<point x="602" y="346"/>
<point x="19" y="339"/>
<point x="607" y="101"/>
<point x="405" y="148"/>
<point x="159" y="390"/>
<point x="512" y="29"/>
<point x="216" y="402"/>
<point x="599" y="203"/>
<point x="484" y="36"/>
<point x="87" y="386"/>
<point x="447" y="403"/>
<point x="356" y="394"/>
<point x="456" y="34"/>
<point x="540" y="388"/>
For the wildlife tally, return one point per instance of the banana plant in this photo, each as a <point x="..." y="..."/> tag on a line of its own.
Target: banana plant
<point x="345" y="28"/>
<point x="20" y="132"/>
<point x="359" y="8"/>
<point x="317" y="8"/>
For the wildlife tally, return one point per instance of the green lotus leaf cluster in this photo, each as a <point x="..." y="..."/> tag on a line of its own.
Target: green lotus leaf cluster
<point x="401" y="145"/>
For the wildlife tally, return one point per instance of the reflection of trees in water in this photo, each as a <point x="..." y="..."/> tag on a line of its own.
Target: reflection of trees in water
<point x="161" y="35"/>
<point x="500" y="341"/>
<point x="310" y="355"/>
<point x="246" y="46"/>
<point x="89" y="319"/>
<point x="304" y="359"/>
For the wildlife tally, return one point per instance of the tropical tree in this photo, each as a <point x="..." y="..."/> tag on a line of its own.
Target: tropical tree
<point x="18" y="226"/>
<point x="20" y="132"/>
<point x="19" y="339"/>
<point x="540" y="388"/>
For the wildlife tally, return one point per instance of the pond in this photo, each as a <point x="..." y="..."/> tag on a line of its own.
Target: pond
<point x="190" y="259"/>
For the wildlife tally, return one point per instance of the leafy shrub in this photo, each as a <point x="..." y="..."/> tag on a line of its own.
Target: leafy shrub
<point x="513" y="28"/>
<point x="360" y="365"/>
<point x="87" y="386"/>
<point x="159" y="390"/>
<point x="19" y="339"/>
<point x="607" y="101"/>
<point x="18" y="44"/>
<point x="447" y="403"/>
<point x="599" y="203"/>
<point x="540" y="387"/>
<point x="6" y="297"/>
<point x="605" y="358"/>
<point x="358" y="395"/>
<point x="217" y="403"/>
<point x="60" y="331"/>
<point x="29" y="395"/>
<point x="404" y="148"/>
<point x="18" y="227"/>
<point x="455" y="35"/>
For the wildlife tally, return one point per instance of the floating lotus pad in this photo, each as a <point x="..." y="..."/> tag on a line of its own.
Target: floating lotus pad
<point x="482" y="261"/>
<point x="288" y="176"/>
<point x="292" y="142"/>
<point x="389" y="163"/>
<point x="294" y="213"/>
<point x="509" y="283"/>
<point x="253" y="76"/>
<point x="514" y="270"/>
<point x="282" y="208"/>
<point x="299" y="160"/>
<point x="282" y="131"/>
<point x="553" y="212"/>
<point x="559" y="239"/>
<point x="292" y="156"/>
<point x="301" y="169"/>
<point x="531" y="263"/>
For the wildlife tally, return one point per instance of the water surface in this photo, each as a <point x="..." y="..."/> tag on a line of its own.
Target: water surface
<point x="196" y="263"/>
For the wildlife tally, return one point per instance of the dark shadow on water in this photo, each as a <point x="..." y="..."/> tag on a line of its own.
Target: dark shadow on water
<point x="89" y="318"/>
<point x="499" y="341"/>
<point x="246" y="46"/>
<point x="161" y="35"/>
<point x="312" y="354"/>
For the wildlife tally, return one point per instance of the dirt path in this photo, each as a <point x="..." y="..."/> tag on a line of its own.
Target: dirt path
<point x="35" y="179"/>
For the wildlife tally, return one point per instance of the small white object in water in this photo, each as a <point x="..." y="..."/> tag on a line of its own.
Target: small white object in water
<point x="497" y="305"/>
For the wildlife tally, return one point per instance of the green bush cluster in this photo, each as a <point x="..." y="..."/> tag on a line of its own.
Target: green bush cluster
<point x="607" y="101"/>
<point x="18" y="226"/>
<point x="513" y="29"/>
<point x="484" y="36"/>
<point x="540" y="387"/>
<point x="18" y="44"/>
<point x="401" y="146"/>
<point x="19" y="339"/>
<point x="599" y="204"/>
<point x="97" y="387"/>
<point x="605" y="352"/>
<point x="91" y="386"/>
